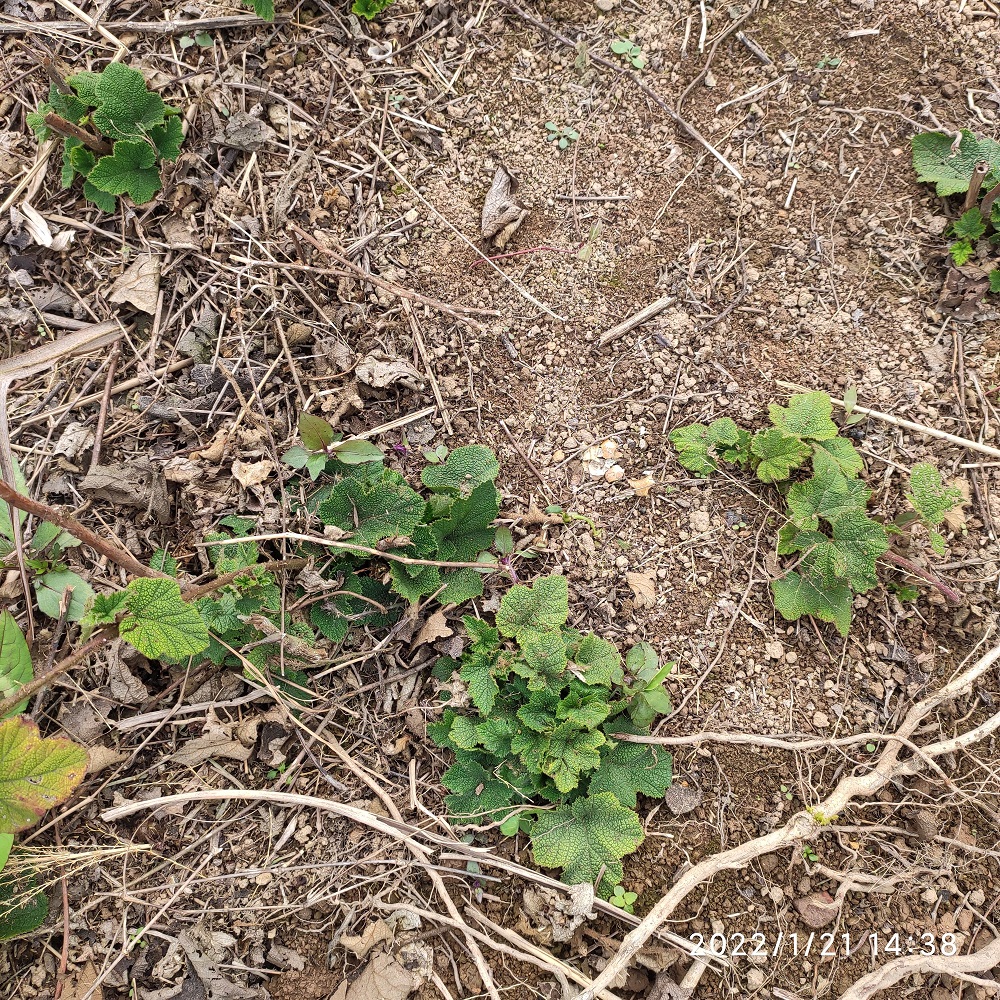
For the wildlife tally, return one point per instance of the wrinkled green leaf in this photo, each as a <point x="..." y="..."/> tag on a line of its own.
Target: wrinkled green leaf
<point x="778" y="453"/>
<point x="528" y="610"/>
<point x="159" y="623"/>
<point x="796" y="595"/>
<point x="628" y="769"/>
<point x="15" y="662"/>
<point x="594" y="832"/>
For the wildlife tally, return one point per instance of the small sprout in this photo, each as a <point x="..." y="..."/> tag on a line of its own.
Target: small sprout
<point x="829" y="62"/>
<point x="809" y="854"/>
<point x="436" y="455"/>
<point x="624" y="900"/>
<point x="561" y="136"/>
<point x="204" y="39"/>
<point x="632" y="52"/>
<point x="870" y="747"/>
<point x="787" y="792"/>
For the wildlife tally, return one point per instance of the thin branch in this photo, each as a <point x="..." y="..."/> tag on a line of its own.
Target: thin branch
<point x="329" y="543"/>
<point x="811" y="822"/>
<point x="909" y="425"/>
<point x="988" y="957"/>
<point x="42" y="680"/>
<point x="59" y="124"/>
<point x="986" y="206"/>
<point x="192" y="592"/>
<point x="950" y="595"/>
<point x="115" y="553"/>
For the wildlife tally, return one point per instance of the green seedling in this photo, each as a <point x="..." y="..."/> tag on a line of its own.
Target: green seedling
<point x="787" y="793"/>
<point x="203" y="40"/>
<point x="624" y="900"/>
<point x="549" y="702"/>
<point x="116" y="134"/>
<point x="829" y="62"/>
<point x="809" y="854"/>
<point x="969" y="165"/>
<point x="828" y="532"/>
<point x="629" y="51"/>
<point x="562" y="137"/>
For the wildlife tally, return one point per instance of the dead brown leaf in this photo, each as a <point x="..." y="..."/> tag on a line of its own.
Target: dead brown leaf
<point x="436" y="627"/>
<point x="139" y="285"/>
<point x="361" y="944"/>
<point x="502" y="213"/>
<point x="218" y="739"/>
<point x="82" y="984"/>
<point x="643" y="587"/>
<point x="249" y="474"/>
<point x="641" y="487"/>
<point x="383" y="978"/>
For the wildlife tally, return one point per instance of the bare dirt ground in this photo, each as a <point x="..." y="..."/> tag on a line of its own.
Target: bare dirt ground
<point x="820" y="265"/>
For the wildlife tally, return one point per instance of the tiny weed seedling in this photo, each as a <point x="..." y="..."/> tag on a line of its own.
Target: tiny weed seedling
<point x="562" y="137"/>
<point x="835" y="544"/>
<point x="135" y="133"/>
<point x="539" y="755"/>
<point x="629" y="51"/>
<point x="970" y="166"/>
<point x="829" y="62"/>
<point x="787" y="793"/>
<point x="203" y="40"/>
<point x="624" y="900"/>
<point x="809" y="854"/>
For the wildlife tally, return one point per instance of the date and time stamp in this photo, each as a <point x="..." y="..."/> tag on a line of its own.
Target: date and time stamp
<point x="822" y="947"/>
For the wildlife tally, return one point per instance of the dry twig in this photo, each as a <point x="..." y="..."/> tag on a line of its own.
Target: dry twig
<point x="809" y="823"/>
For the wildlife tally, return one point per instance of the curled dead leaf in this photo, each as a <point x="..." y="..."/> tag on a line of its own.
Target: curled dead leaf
<point x="502" y="213"/>
<point x="436" y="627"/>
<point x="139" y="285"/>
<point x="249" y="474"/>
<point x="643" y="586"/>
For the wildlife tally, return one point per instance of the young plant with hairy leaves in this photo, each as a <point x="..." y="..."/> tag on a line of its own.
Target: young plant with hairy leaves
<point x="966" y="164"/>
<point x="541" y="754"/>
<point x="832" y="541"/>
<point x="116" y="134"/>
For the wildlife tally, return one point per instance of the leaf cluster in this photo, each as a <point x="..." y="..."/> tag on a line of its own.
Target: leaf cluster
<point x="540" y="753"/>
<point x="360" y="502"/>
<point x="117" y="105"/>
<point x="834" y="542"/>
<point x="949" y="163"/>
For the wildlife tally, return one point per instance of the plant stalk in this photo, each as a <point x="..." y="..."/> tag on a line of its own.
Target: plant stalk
<point x="115" y="553"/>
<point x="97" y="641"/>
<point x="950" y="595"/>
<point x="987" y="204"/>
<point x="979" y="173"/>
<point x="66" y="128"/>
